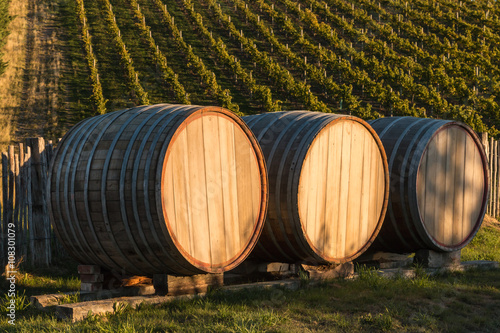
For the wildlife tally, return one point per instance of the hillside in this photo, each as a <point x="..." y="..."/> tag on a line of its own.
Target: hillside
<point x="368" y="58"/>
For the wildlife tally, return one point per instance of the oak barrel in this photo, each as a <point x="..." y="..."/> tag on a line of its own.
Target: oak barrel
<point x="159" y="189"/>
<point x="439" y="184"/>
<point x="328" y="186"/>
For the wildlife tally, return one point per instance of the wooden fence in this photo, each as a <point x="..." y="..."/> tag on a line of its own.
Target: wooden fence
<point x="492" y="149"/>
<point x="24" y="213"/>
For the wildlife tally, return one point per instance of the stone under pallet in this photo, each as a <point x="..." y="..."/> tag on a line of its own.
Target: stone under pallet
<point x="424" y="258"/>
<point x="462" y="267"/>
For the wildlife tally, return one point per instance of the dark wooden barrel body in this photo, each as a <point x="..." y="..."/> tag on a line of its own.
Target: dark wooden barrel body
<point x="439" y="184"/>
<point x="159" y="189"/>
<point x="328" y="186"/>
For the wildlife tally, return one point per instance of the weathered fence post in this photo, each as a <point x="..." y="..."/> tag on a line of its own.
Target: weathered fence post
<point x="29" y="202"/>
<point x="40" y="223"/>
<point x="496" y="156"/>
<point x="49" y="153"/>
<point x="12" y="166"/>
<point x="486" y="145"/>
<point x="484" y="141"/>
<point x="490" y="162"/>
<point x="22" y="204"/>
<point x="5" y="197"/>
<point x="494" y="180"/>
<point x="17" y="202"/>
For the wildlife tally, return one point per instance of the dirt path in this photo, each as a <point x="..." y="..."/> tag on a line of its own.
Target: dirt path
<point x="11" y="82"/>
<point x="41" y="92"/>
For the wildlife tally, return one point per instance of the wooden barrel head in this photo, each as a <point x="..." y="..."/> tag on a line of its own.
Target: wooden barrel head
<point x="450" y="186"/>
<point x="342" y="189"/>
<point x="212" y="191"/>
<point x="439" y="184"/>
<point x="328" y="186"/>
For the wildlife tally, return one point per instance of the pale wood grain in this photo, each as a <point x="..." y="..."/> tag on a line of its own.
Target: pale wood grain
<point x="198" y="190"/>
<point x="340" y="197"/>
<point x="355" y="185"/>
<point x="450" y="186"/>
<point x="214" y="188"/>
<point x="459" y="181"/>
<point x="248" y="185"/>
<point x="229" y="187"/>
<point x="332" y="184"/>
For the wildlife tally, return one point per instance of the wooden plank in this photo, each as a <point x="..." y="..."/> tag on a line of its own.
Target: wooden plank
<point x="491" y="176"/>
<point x="180" y="188"/>
<point x="332" y="181"/>
<point x="12" y="179"/>
<point x="214" y="188"/>
<point x="484" y="140"/>
<point x="49" y="151"/>
<point x="198" y="191"/>
<point x="486" y="146"/>
<point x="377" y="181"/>
<point x="229" y="188"/>
<point x="421" y="185"/>
<point x="1" y="195"/>
<point x="459" y="188"/>
<point x="430" y="194"/>
<point x="355" y="184"/>
<point x="440" y="185"/>
<point x="169" y="195"/>
<point x="256" y="185"/>
<point x="381" y="186"/>
<point x="5" y="197"/>
<point x="470" y="151"/>
<point x="78" y="311"/>
<point x="490" y="200"/>
<point x="29" y="203"/>
<point x="478" y="186"/>
<point x="450" y="187"/>
<point x="337" y="191"/>
<point x="17" y="200"/>
<point x="310" y="175"/>
<point x="494" y="182"/>
<point x="491" y="203"/>
<point x="304" y="197"/>
<point x="181" y="285"/>
<point x="246" y="185"/>
<point x="368" y="219"/>
<point x="22" y="202"/>
<point x="321" y="170"/>
<point x="497" y="179"/>
<point x="345" y="169"/>
<point x="46" y="220"/>
<point x="40" y="254"/>
<point x="187" y="192"/>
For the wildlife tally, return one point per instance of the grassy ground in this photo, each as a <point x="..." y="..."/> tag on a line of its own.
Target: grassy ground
<point x="452" y="302"/>
<point x="486" y="244"/>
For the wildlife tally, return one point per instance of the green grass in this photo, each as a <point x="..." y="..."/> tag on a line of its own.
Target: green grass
<point x="458" y="302"/>
<point x="486" y="243"/>
<point x="450" y="302"/>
